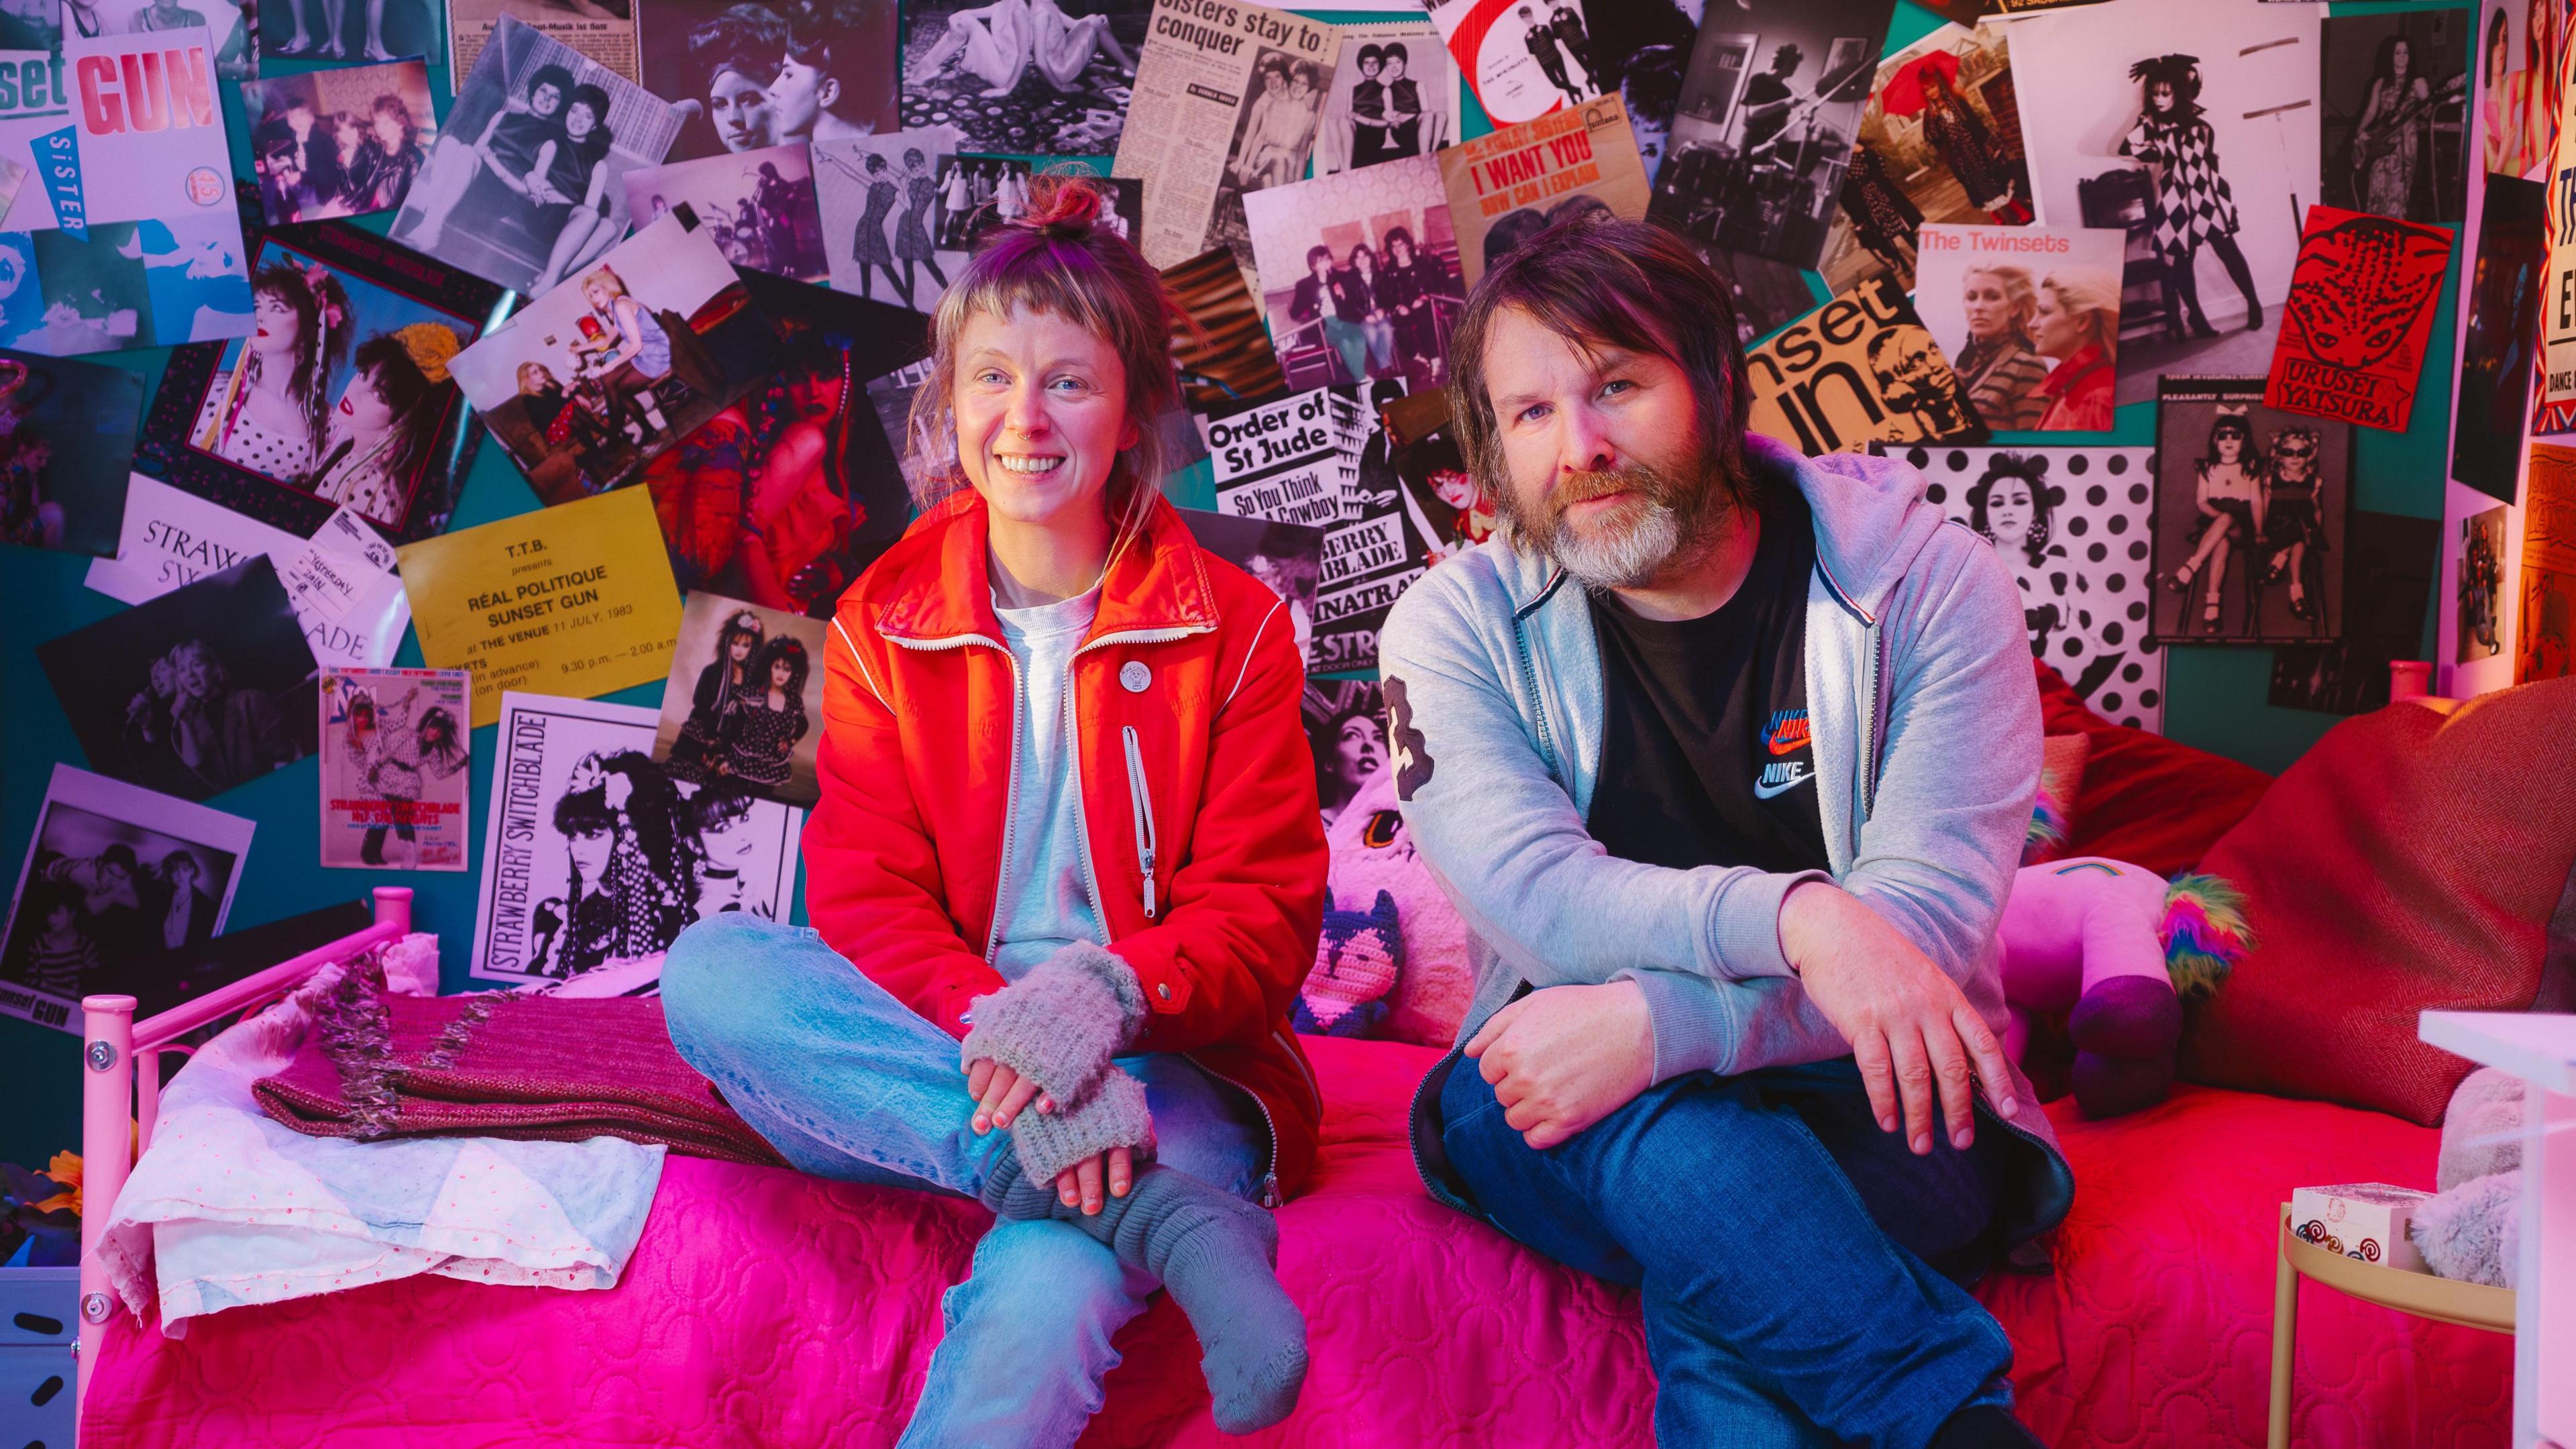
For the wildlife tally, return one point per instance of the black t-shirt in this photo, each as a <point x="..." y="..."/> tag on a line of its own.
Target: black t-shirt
<point x="1705" y="756"/>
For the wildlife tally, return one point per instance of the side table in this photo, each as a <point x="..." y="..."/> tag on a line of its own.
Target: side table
<point x="2540" y="1048"/>
<point x="2471" y="1305"/>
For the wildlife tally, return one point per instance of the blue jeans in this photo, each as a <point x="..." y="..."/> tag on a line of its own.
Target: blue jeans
<point x="849" y="1083"/>
<point x="1778" y="1312"/>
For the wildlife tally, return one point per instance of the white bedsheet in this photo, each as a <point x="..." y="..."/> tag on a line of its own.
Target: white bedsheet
<point x="230" y="1207"/>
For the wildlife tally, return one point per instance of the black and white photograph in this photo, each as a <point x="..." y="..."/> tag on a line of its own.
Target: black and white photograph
<point x="744" y="706"/>
<point x="395" y="768"/>
<point x="2478" y="570"/>
<point x="1032" y="77"/>
<point x="342" y="142"/>
<point x="893" y="225"/>
<point x="339" y="398"/>
<point x="590" y="381"/>
<point x="347" y="30"/>
<point x="757" y="205"/>
<point x="530" y="164"/>
<point x="1274" y="140"/>
<point x="66" y="451"/>
<point x="2390" y="562"/>
<point x="2396" y="122"/>
<point x="2193" y="126"/>
<point x="1359" y="274"/>
<point x="593" y="855"/>
<point x="113" y="873"/>
<point x="752" y="74"/>
<point x="2250" y="514"/>
<point x="1288" y="557"/>
<point x="1346" y="733"/>
<point x="200" y="690"/>
<point x="1394" y="94"/>
<point x="784" y="497"/>
<point x="1762" y="133"/>
<point x="2072" y="524"/>
<point x="1768" y="295"/>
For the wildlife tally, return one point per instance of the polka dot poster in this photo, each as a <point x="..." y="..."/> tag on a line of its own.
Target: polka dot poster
<point x="2072" y="525"/>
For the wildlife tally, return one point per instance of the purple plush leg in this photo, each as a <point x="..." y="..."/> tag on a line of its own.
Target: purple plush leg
<point x="2115" y="1086"/>
<point x="2127" y="1016"/>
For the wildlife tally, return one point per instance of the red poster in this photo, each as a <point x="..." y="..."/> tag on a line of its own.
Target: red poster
<point x="2359" y="316"/>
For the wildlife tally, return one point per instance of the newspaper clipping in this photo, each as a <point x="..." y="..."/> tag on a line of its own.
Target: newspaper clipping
<point x="603" y="35"/>
<point x="593" y="855"/>
<point x="1512" y="184"/>
<point x="1289" y="461"/>
<point x="1228" y="100"/>
<point x="394" y="775"/>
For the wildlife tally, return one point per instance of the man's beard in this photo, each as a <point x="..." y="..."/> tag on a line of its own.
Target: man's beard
<point x="1633" y="541"/>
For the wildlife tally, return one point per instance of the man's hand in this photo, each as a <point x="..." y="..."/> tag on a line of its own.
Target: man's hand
<point x="1566" y="1057"/>
<point x="1910" y="1028"/>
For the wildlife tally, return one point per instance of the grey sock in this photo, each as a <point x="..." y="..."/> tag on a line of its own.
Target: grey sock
<point x="1218" y="1255"/>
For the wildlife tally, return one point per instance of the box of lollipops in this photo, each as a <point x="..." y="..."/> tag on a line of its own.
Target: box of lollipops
<point x="2364" y="1220"/>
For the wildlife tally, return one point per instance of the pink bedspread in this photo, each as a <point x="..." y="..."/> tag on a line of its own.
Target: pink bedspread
<point x="764" y="1308"/>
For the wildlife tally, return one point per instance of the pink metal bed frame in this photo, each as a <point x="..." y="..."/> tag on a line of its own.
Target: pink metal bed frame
<point x="121" y="1078"/>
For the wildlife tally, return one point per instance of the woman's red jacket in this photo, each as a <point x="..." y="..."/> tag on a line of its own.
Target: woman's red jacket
<point x="1198" y="797"/>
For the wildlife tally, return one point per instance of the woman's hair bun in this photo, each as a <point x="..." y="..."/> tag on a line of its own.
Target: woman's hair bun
<point x="1064" y="207"/>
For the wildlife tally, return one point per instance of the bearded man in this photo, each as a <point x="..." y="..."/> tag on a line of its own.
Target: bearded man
<point x="1727" y="756"/>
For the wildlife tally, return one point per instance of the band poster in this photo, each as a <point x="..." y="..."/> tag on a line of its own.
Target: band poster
<point x="394" y="776"/>
<point x="1861" y="369"/>
<point x="1227" y="100"/>
<point x="1512" y="184"/>
<point x="2359" y="317"/>
<point x="578" y="597"/>
<point x="593" y="855"/>
<point x="2556" y="411"/>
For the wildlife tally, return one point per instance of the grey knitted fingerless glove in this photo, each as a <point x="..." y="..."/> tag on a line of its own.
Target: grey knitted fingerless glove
<point x="1059" y="1025"/>
<point x="1113" y="1115"/>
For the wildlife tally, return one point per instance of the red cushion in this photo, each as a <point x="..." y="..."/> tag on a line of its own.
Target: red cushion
<point x="2147" y="800"/>
<point x="2410" y="860"/>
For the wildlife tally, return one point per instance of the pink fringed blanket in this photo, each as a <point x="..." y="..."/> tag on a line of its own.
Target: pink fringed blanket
<point x="493" y="1064"/>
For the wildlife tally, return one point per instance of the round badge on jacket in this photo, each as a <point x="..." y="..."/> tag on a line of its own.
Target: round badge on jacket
<point x="1135" y="676"/>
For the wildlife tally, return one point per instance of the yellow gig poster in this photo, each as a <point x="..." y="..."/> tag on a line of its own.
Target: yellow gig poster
<point x="573" y="600"/>
<point x="2555" y="411"/>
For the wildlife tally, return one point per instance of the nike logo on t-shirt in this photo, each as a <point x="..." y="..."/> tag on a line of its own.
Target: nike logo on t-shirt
<point x="1782" y="777"/>
<point x="1787" y="733"/>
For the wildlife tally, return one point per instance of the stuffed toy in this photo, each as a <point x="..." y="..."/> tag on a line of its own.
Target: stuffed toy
<point x="1373" y="852"/>
<point x="2472" y="1228"/>
<point x="2118" y="948"/>
<point x="1356" y="966"/>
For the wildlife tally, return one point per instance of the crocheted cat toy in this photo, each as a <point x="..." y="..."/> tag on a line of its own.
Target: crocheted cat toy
<point x="1356" y="965"/>
<point x="2118" y="948"/>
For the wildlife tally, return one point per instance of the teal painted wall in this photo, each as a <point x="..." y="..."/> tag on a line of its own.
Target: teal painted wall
<point x="2214" y="697"/>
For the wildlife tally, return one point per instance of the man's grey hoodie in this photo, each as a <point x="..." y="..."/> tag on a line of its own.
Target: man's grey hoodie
<point x="1925" y="721"/>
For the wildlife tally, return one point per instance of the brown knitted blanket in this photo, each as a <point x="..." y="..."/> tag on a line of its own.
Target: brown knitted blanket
<point x="493" y="1064"/>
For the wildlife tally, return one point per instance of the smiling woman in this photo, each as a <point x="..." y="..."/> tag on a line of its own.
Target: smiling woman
<point x="1077" y="679"/>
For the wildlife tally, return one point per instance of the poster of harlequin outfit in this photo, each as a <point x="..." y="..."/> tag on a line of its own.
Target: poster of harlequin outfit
<point x="130" y="238"/>
<point x="2359" y="317"/>
<point x="2196" y="122"/>
<point x="394" y="768"/>
<point x="593" y="855"/>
